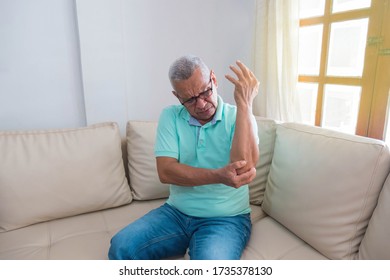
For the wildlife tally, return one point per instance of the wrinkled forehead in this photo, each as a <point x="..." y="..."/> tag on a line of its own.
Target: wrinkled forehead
<point x="196" y="84"/>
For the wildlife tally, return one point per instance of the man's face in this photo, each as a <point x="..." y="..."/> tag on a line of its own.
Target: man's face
<point x="204" y="107"/>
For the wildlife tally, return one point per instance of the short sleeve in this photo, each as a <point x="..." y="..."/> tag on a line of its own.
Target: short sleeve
<point x="167" y="139"/>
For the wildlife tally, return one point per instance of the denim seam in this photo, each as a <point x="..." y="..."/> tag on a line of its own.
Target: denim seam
<point x="157" y="240"/>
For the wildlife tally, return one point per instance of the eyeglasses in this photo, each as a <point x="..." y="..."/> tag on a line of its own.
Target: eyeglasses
<point x="203" y="95"/>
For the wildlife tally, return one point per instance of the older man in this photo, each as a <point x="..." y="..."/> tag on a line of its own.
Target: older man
<point x="207" y="151"/>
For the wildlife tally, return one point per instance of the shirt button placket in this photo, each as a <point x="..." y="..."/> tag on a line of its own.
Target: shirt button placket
<point x="201" y="142"/>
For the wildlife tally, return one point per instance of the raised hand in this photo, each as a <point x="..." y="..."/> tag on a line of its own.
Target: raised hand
<point x="246" y="84"/>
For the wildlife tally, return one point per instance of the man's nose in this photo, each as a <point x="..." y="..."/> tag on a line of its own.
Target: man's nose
<point x="200" y="103"/>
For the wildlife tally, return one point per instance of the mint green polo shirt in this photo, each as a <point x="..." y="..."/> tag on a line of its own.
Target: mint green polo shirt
<point x="182" y="137"/>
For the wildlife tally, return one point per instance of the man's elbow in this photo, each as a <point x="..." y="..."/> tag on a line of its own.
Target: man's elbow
<point x="251" y="161"/>
<point x="162" y="170"/>
<point x="162" y="176"/>
<point x="255" y="157"/>
<point x="252" y="158"/>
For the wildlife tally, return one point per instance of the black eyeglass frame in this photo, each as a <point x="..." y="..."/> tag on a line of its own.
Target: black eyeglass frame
<point x="203" y="95"/>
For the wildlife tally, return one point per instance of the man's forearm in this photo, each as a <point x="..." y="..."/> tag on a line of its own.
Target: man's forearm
<point x="170" y="171"/>
<point x="244" y="146"/>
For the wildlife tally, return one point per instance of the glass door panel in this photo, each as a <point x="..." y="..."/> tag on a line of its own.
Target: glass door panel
<point x="307" y="100"/>
<point x="346" y="48"/>
<point x="341" y="106"/>
<point x="311" y="8"/>
<point x="347" y="5"/>
<point x="309" y="56"/>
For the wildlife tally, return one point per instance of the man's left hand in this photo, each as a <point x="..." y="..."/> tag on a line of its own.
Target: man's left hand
<point x="246" y="84"/>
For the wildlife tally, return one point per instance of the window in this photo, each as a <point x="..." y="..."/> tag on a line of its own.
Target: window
<point x="344" y="65"/>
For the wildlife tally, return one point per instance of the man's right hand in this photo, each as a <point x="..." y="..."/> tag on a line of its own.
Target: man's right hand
<point x="230" y="177"/>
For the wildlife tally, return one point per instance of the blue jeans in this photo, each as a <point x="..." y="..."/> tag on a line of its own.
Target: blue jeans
<point x="166" y="232"/>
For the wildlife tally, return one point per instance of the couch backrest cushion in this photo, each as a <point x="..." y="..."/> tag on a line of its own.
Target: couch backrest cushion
<point x="376" y="243"/>
<point x="323" y="186"/>
<point x="46" y="175"/>
<point x="144" y="181"/>
<point x="267" y="134"/>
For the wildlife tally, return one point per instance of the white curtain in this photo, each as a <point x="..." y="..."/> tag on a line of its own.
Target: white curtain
<point x="276" y="59"/>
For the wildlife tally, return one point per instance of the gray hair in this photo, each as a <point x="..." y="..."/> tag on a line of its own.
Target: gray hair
<point x="183" y="68"/>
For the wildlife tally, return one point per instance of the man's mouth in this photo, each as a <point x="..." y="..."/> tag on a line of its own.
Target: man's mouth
<point x="204" y="111"/>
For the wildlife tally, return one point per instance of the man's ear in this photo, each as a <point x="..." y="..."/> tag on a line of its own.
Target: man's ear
<point x="174" y="93"/>
<point x="214" y="78"/>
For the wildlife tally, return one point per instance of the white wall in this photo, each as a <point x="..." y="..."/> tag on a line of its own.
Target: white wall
<point x="124" y="48"/>
<point x="127" y="47"/>
<point x="40" y="76"/>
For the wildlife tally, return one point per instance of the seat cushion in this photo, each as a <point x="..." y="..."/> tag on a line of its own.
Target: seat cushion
<point x="324" y="185"/>
<point x="46" y="175"/>
<point x="272" y="241"/>
<point x="85" y="236"/>
<point x="82" y="237"/>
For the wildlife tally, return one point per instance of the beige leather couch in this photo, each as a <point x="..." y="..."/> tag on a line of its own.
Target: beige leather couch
<point x="318" y="194"/>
